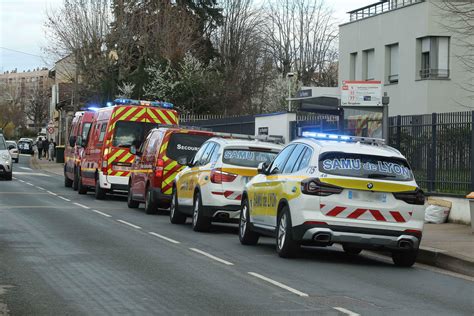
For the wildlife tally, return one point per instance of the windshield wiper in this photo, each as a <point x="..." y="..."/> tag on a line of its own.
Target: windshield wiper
<point x="379" y="175"/>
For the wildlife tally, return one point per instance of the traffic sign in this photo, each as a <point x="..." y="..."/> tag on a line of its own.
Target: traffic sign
<point x="51" y="130"/>
<point x="361" y="93"/>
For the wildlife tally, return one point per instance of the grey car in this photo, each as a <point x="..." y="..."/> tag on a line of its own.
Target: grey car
<point x="5" y="160"/>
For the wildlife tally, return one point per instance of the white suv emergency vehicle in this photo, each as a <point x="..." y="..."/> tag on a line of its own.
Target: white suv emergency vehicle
<point x="329" y="189"/>
<point x="210" y="188"/>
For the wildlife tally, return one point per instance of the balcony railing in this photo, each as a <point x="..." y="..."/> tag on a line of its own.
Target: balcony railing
<point x="434" y="73"/>
<point x="379" y="7"/>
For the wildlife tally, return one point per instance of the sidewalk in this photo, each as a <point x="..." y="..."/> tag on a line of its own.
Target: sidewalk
<point x="447" y="246"/>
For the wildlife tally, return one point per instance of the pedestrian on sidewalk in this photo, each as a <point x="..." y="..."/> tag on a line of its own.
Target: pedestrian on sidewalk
<point x="51" y="148"/>
<point x="46" y="148"/>
<point x="39" y="145"/>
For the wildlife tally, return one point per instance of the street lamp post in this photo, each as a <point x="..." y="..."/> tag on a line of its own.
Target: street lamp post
<point x="289" y="76"/>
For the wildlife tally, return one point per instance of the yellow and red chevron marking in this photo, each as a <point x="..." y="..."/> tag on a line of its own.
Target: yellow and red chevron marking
<point x="119" y="155"/>
<point x="171" y="169"/>
<point x="366" y="214"/>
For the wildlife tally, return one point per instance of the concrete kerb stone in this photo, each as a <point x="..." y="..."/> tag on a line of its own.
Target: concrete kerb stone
<point x="444" y="260"/>
<point x="50" y="167"/>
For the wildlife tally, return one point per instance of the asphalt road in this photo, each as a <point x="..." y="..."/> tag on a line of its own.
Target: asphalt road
<point x="66" y="254"/>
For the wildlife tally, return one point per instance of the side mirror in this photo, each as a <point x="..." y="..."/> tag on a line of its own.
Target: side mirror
<point x="11" y="147"/>
<point x="262" y="168"/>
<point x="135" y="151"/>
<point x="72" y="141"/>
<point x="79" y="141"/>
<point x="183" y="161"/>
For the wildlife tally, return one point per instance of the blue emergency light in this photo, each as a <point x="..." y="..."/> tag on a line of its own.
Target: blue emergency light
<point x="343" y="138"/>
<point x="160" y="104"/>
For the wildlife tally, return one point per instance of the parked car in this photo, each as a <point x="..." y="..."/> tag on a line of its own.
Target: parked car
<point x="6" y="168"/>
<point x="13" y="149"/>
<point x="163" y="154"/>
<point x="330" y="189"/>
<point x="25" y="146"/>
<point x="210" y="188"/>
<point x="107" y="159"/>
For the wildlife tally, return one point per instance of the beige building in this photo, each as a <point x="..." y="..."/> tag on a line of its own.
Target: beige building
<point x="404" y="44"/>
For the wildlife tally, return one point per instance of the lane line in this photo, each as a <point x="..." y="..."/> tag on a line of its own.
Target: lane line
<point x="63" y="198"/>
<point x="276" y="283"/>
<point x="164" y="237"/>
<point x="14" y="178"/>
<point x="52" y="193"/>
<point x="21" y="181"/>
<point x="212" y="256"/>
<point x="346" y="311"/>
<point x="129" y="224"/>
<point x="30" y="183"/>
<point x="80" y="205"/>
<point x="101" y="213"/>
<point x="41" y="188"/>
<point x="25" y="168"/>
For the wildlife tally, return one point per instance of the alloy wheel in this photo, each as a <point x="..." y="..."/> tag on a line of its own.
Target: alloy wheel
<point x="282" y="231"/>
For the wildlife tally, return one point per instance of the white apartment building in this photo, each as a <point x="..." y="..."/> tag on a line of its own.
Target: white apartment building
<point x="404" y="44"/>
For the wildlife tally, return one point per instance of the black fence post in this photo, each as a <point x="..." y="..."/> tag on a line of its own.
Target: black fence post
<point x="432" y="173"/>
<point x="471" y="149"/>
<point x="399" y="131"/>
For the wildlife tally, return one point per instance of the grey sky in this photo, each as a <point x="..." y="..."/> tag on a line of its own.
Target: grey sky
<point x="21" y="29"/>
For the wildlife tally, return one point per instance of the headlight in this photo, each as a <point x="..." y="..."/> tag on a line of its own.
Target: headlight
<point x="5" y="156"/>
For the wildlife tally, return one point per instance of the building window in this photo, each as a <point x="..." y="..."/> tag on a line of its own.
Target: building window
<point x="392" y="63"/>
<point x="434" y="57"/>
<point x="353" y="66"/>
<point x="368" y="66"/>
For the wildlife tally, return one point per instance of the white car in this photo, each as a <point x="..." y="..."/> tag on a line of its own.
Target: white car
<point x="13" y="149"/>
<point x="330" y="189"/>
<point x="210" y="188"/>
<point x="6" y="169"/>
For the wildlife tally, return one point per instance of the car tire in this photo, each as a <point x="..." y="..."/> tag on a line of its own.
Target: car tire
<point x="150" y="204"/>
<point x="67" y="181"/>
<point x="350" y="250"/>
<point x="246" y="235"/>
<point x="131" y="203"/>
<point x="16" y="160"/>
<point x="405" y="258"/>
<point x="9" y="176"/>
<point x="176" y="217"/>
<point x="81" y="189"/>
<point x="75" y="181"/>
<point x="286" y="246"/>
<point x="200" y="222"/>
<point x="99" y="192"/>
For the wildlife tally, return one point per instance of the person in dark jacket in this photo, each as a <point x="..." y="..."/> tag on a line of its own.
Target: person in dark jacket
<point x="45" y="148"/>
<point x="39" y="145"/>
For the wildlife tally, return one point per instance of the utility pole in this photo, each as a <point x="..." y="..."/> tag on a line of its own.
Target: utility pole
<point x="385" y="127"/>
<point x="289" y="76"/>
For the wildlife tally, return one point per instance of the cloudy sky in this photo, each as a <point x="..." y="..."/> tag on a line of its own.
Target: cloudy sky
<point x="22" y="33"/>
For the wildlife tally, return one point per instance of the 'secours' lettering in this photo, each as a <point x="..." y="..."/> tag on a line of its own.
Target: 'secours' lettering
<point x="191" y="148"/>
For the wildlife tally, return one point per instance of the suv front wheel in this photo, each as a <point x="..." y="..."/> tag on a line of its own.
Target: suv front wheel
<point x="201" y="223"/>
<point x="176" y="217"/>
<point x="246" y="235"/>
<point x="286" y="246"/>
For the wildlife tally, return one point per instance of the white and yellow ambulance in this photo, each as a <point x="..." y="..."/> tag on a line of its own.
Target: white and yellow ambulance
<point x="331" y="189"/>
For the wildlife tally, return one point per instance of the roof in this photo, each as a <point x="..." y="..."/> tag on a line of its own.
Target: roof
<point x="245" y="143"/>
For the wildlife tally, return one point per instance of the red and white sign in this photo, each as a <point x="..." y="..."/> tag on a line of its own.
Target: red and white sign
<point x="361" y="93"/>
<point x="51" y="130"/>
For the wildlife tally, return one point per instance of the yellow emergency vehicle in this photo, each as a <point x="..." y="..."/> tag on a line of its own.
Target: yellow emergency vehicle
<point x="327" y="189"/>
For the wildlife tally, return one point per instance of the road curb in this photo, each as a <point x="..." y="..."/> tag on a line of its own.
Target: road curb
<point x="445" y="260"/>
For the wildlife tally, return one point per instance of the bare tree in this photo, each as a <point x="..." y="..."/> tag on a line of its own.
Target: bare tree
<point x="37" y="105"/>
<point x="301" y="37"/>
<point x="11" y="106"/>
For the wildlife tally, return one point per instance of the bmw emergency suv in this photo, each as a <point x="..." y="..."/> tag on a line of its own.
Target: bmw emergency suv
<point x="5" y="160"/>
<point x="210" y="188"/>
<point x="330" y="189"/>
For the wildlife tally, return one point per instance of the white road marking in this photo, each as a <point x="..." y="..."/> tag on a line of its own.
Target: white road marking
<point x="101" y="213"/>
<point x="25" y="168"/>
<point x="281" y="285"/>
<point x="212" y="257"/>
<point x="164" y="237"/>
<point x="41" y="188"/>
<point x="129" y="224"/>
<point x="346" y="311"/>
<point x="63" y="198"/>
<point x="14" y="178"/>
<point x="21" y="181"/>
<point x="30" y="173"/>
<point x="80" y="205"/>
<point x="30" y="183"/>
<point x="52" y="193"/>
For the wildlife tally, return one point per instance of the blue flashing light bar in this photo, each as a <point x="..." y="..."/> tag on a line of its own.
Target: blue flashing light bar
<point x="343" y="138"/>
<point x="165" y="105"/>
<point x="93" y="108"/>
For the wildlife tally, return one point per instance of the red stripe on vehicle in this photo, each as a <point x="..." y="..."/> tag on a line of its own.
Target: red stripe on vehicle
<point x="335" y="211"/>
<point x="358" y="212"/>
<point x="228" y="193"/>
<point x="397" y="216"/>
<point x="217" y="193"/>
<point x="322" y="205"/>
<point x="377" y="215"/>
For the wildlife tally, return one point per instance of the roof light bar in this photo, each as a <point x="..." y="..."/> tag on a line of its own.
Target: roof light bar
<point x="161" y="104"/>
<point x="344" y="138"/>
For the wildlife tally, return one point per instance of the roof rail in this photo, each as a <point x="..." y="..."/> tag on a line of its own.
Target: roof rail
<point x="263" y="138"/>
<point x="345" y="138"/>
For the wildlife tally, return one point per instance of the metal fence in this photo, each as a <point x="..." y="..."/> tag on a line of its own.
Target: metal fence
<point x="236" y="124"/>
<point x="439" y="148"/>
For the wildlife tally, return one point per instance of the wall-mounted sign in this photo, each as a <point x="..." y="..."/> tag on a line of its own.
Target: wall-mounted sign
<point x="263" y="131"/>
<point x="304" y="93"/>
<point x="361" y="93"/>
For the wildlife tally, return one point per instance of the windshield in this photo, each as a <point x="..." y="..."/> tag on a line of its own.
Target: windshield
<point x="185" y="145"/>
<point x="365" y="166"/>
<point x="3" y="145"/>
<point x="128" y="133"/>
<point x="248" y="158"/>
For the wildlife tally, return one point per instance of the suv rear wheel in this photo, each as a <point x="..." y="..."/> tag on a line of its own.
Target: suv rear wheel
<point x="150" y="203"/>
<point x="176" y="217"/>
<point x="201" y="223"/>
<point x="405" y="258"/>
<point x="131" y="203"/>
<point x="67" y="181"/>
<point x="246" y="235"/>
<point x="75" y="182"/>
<point x="286" y="246"/>
<point x="81" y="189"/>
<point x="9" y="175"/>
<point x="99" y="192"/>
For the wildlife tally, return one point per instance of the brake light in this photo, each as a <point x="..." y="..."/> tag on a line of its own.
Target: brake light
<point x="315" y="223"/>
<point x="414" y="232"/>
<point x="159" y="169"/>
<point x="219" y="176"/>
<point x="314" y="186"/>
<point x="104" y="166"/>
<point x="416" y="197"/>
